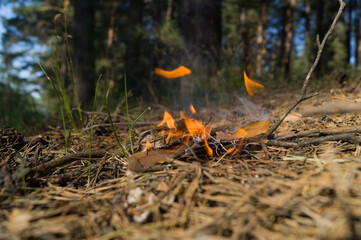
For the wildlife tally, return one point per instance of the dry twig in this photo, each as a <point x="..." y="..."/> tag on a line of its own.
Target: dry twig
<point x="303" y="96"/>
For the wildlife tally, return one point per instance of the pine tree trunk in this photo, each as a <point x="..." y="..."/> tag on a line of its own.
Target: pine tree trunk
<point x="200" y="24"/>
<point x="320" y="31"/>
<point x="307" y="34"/>
<point x="261" y="38"/>
<point x="349" y="30"/>
<point x="244" y="34"/>
<point x="84" y="50"/>
<point x="358" y="33"/>
<point x="287" y="38"/>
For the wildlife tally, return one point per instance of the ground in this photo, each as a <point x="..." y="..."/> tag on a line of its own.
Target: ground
<point x="263" y="192"/>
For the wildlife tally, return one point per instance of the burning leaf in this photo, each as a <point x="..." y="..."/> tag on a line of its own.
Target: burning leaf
<point x="252" y="129"/>
<point x="192" y="109"/>
<point x="176" y="73"/>
<point x="252" y="87"/>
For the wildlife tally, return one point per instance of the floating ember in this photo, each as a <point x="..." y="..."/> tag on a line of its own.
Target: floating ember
<point x="176" y="73"/>
<point x="252" y="87"/>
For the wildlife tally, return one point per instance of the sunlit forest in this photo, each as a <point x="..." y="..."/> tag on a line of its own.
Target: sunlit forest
<point x="76" y="42"/>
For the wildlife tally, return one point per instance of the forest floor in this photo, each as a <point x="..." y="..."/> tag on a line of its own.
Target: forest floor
<point x="265" y="191"/>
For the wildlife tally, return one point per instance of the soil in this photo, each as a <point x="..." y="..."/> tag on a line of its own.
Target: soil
<point x="264" y="191"/>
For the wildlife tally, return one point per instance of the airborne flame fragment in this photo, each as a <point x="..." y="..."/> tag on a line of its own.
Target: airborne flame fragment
<point x="252" y="87"/>
<point x="192" y="109"/>
<point x="176" y="73"/>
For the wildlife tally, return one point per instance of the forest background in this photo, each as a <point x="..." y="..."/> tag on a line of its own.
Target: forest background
<point x="77" y="41"/>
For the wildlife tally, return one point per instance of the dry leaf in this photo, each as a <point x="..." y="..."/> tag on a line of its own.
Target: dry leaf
<point x="253" y="129"/>
<point x="144" y="161"/>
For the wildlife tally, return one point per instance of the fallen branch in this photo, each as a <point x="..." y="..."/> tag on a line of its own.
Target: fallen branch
<point x="303" y="96"/>
<point x="349" y="137"/>
<point x="319" y="132"/>
<point x="61" y="161"/>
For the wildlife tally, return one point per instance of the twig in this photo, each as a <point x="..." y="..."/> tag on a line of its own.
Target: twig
<point x="344" y="136"/>
<point x="303" y="96"/>
<point x="43" y="169"/>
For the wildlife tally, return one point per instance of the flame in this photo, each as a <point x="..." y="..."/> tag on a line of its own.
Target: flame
<point x="176" y="73"/>
<point x="148" y="146"/>
<point x="252" y="87"/>
<point x="192" y="109"/>
<point x="197" y="129"/>
<point x="168" y="119"/>
<point x="194" y="128"/>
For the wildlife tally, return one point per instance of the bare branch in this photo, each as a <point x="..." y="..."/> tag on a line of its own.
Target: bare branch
<point x="303" y="96"/>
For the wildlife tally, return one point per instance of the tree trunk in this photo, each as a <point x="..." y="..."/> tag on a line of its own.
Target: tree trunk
<point x="320" y="31"/>
<point x="307" y="34"/>
<point x="358" y="33"/>
<point x="200" y="22"/>
<point x="349" y="29"/>
<point x="261" y="38"/>
<point x="287" y="37"/>
<point x="244" y="34"/>
<point x="84" y="50"/>
<point x="133" y="66"/>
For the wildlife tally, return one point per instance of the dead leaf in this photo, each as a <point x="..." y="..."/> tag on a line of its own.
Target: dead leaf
<point x="145" y="161"/>
<point x="253" y="129"/>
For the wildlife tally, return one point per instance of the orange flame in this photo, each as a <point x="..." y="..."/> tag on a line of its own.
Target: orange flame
<point x="197" y="129"/>
<point x="194" y="127"/>
<point x="168" y="119"/>
<point x="252" y="87"/>
<point x="192" y="109"/>
<point x="176" y="73"/>
<point x="148" y="146"/>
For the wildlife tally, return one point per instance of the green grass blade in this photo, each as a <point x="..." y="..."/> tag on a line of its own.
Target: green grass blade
<point x="112" y="125"/>
<point x="127" y="111"/>
<point x="61" y="109"/>
<point x="91" y="128"/>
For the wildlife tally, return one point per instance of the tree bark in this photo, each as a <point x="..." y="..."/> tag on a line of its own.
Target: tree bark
<point x="349" y="29"/>
<point x="133" y="66"/>
<point x="84" y="50"/>
<point x="320" y="30"/>
<point x="261" y="38"/>
<point x="358" y="34"/>
<point x="244" y="34"/>
<point x="287" y="37"/>
<point x="200" y="24"/>
<point x="307" y="34"/>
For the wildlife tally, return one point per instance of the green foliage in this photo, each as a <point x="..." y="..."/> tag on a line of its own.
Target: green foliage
<point x="18" y="109"/>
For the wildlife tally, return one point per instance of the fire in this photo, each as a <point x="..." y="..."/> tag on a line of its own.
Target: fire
<point x="148" y="146"/>
<point x="252" y="87"/>
<point x="194" y="128"/>
<point x="176" y="73"/>
<point x="168" y="119"/>
<point x="192" y="109"/>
